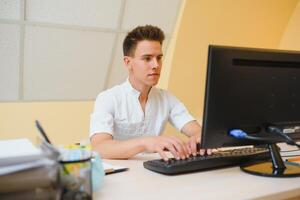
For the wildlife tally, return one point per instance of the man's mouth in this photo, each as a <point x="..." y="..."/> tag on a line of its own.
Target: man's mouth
<point x="153" y="74"/>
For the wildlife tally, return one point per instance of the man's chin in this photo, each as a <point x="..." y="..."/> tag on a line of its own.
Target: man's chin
<point x="153" y="83"/>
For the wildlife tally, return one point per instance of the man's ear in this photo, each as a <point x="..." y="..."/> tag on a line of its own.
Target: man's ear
<point x="127" y="62"/>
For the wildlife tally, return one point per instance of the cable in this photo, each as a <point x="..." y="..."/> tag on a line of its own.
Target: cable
<point x="240" y="134"/>
<point x="288" y="140"/>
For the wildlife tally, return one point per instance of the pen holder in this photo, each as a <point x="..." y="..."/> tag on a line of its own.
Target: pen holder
<point x="81" y="172"/>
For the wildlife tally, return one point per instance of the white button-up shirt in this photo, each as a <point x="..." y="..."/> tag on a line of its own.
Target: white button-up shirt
<point x="118" y="112"/>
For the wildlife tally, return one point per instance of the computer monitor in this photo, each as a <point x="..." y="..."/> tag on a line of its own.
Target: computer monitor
<point x="251" y="90"/>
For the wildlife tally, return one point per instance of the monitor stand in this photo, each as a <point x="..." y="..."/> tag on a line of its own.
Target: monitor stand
<point x="273" y="168"/>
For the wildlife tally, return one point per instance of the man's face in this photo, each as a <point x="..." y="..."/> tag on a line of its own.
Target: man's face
<point x="145" y="65"/>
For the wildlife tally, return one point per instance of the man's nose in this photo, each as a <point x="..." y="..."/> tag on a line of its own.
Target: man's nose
<point x="155" y="64"/>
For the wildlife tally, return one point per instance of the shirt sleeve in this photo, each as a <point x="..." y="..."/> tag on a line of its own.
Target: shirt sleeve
<point x="102" y="117"/>
<point x="179" y="115"/>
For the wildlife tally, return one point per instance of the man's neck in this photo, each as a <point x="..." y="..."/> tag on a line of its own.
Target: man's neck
<point x="143" y="89"/>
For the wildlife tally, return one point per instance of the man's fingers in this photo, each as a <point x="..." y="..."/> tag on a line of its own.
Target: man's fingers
<point x="162" y="154"/>
<point x="193" y="145"/>
<point x="205" y="152"/>
<point x="198" y="139"/>
<point x="179" y="146"/>
<point x="186" y="150"/>
<point x="171" y="148"/>
<point x="208" y="151"/>
<point x="202" y="152"/>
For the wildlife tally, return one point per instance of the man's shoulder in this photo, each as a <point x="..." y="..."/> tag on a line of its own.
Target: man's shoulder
<point x="161" y="92"/>
<point x="114" y="91"/>
<point x="165" y="96"/>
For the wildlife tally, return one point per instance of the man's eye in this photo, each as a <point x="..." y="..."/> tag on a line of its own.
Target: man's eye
<point x="147" y="59"/>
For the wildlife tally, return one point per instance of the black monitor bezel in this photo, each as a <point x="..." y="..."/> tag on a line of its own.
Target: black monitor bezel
<point x="222" y="139"/>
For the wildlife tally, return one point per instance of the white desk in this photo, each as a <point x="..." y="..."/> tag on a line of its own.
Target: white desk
<point x="229" y="183"/>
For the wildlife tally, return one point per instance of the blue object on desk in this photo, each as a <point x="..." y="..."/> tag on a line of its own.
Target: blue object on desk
<point x="97" y="171"/>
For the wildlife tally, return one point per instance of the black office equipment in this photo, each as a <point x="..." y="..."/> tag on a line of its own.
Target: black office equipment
<point x="217" y="160"/>
<point x="252" y="97"/>
<point x="257" y="92"/>
<point x="250" y="89"/>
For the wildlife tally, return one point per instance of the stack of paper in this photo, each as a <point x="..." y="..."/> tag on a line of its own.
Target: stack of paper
<point x="24" y="168"/>
<point x="20" y="154"/>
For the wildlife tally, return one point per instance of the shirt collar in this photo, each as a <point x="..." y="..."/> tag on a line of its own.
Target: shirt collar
<point x="133" y="91"/>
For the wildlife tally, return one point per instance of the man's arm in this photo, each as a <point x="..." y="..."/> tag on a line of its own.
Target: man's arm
<point x="114" y="149"/>
<point x="192" y="128"/>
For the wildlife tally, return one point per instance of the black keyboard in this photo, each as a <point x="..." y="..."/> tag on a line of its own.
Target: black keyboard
<point x="218" y="159"/>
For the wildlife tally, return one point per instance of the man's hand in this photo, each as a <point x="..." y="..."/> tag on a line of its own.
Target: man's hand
<point x="192" y="145"/>
<point x="193" y="130"/>
<point x="171" y="143"/>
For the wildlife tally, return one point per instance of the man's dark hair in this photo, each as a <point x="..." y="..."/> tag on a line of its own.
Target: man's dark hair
<point x="140" y="33"/>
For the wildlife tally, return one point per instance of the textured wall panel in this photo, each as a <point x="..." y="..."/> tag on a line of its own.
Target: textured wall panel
<point x="9" y="62"/>
<point x="162" y="13"/>
<point x="96" y="13"/>
<point x="65" y="64"/>
<point x="10" y="9"/>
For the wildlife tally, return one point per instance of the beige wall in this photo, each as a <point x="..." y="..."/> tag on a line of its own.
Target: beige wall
<point x="168" y="57"/>
<point x="252" y="23"/>
<point x="65" y="122"/>
<point x="291" y="37"/>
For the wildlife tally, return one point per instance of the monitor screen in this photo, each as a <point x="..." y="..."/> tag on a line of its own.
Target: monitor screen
<point x="250" y="89"/>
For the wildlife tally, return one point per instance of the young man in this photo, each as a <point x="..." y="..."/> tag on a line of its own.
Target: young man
<point x="130" y="118"/>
